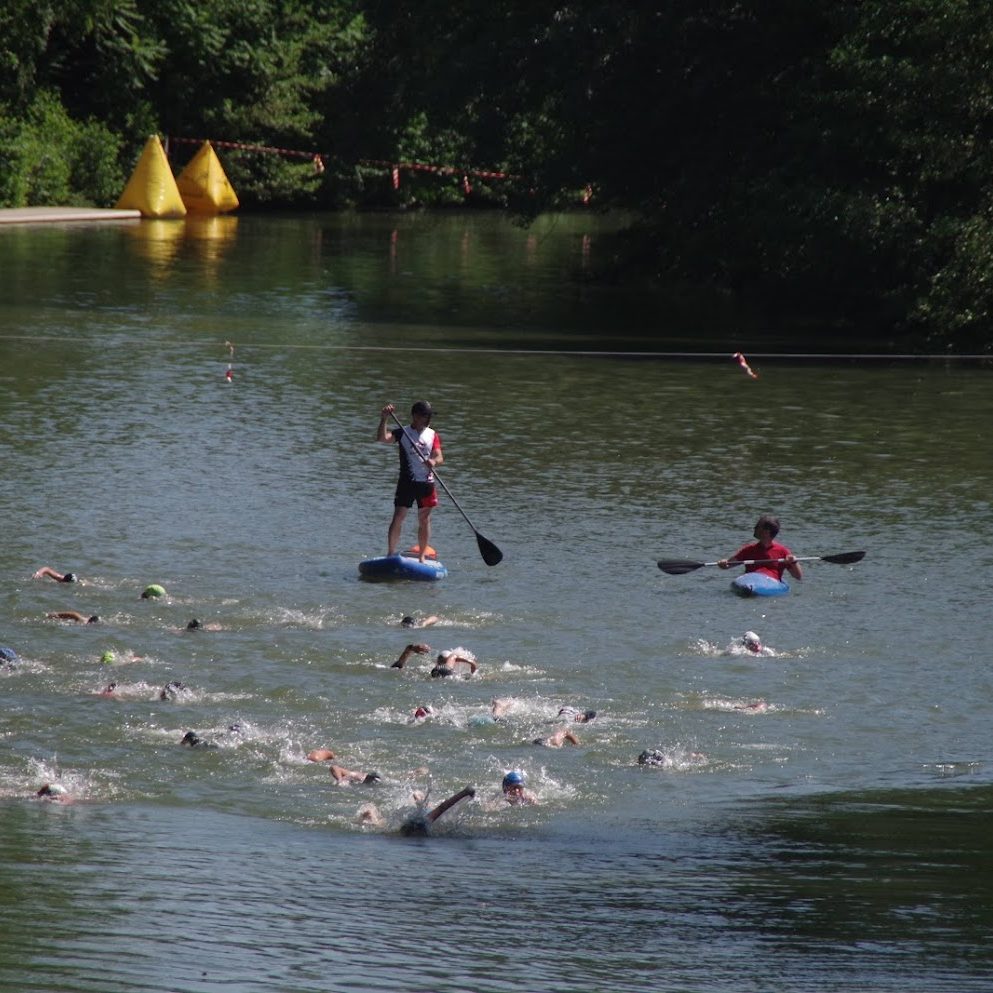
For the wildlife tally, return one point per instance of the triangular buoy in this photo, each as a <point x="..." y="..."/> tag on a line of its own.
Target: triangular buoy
<point x="203" y="186"/>
<point x="152" y="188"/>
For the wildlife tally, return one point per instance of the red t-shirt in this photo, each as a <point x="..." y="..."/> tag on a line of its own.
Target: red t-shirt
<point x="756" y="551"/>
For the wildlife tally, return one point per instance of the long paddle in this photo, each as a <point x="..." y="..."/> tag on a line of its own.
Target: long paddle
<point x="491" y="554"/>
<point x="679" y="567"/>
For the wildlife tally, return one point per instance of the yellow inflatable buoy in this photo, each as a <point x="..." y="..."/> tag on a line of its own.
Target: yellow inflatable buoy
<point x="152" y="187"/>
<point x="203" y="185"/>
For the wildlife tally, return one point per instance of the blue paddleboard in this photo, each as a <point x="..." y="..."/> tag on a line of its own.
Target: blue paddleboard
<point x="758" y="584"/>
<point x="401" y="567"/>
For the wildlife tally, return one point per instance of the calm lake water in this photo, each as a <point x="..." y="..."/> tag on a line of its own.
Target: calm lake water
<point x="820" y="817"/>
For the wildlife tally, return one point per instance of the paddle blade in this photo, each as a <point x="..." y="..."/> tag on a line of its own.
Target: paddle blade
<point x="844" y="558"/>
<point x="491" y="554"/>
<point x="679" y="567"/>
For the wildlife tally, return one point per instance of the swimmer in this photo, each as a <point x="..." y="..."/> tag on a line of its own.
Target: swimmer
<point x="407" y="652"/>
<point x="422" y="712"/>
<point x="652" y="756"/>
<point x="757" y="707"/>
<point x="194" y="740"/>
<point x="449" y="659"/>
<point x="320" y="755"/>
<point x="72" y="615"/>
<point x="152" y="592"/>
<point x="196" y="625"/>
<point x="408" y="621"/>
<point x="109" y="691"/>
<point x="514" y="792"/>
<point x="54" y="791"/>
<point x="499" y="708"/>
<point x="752" y="642"/>
<point x="558" y="739"/>
<point x="343" y="776"/>
<point x="656" y="757"/>
<point x="579" y="716"/>
<point x="60" y="577"/>
<point x="420" y="823"/>
<point x="172" y="691"/>
<point x="8" y="657"/>
<point x="369" y="814"/>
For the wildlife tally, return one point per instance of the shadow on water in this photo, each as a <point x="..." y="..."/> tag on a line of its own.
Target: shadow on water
<point x="906" y="873"/>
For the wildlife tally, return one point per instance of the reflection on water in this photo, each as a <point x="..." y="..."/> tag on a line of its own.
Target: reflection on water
<point x="162" y="241"/>
<point x="821" y="805"/>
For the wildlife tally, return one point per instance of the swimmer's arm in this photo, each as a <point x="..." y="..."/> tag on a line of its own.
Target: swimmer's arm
<point x="420" y="649"/>
<point x="455" y="659"/>
<point x="67" y="615"/>
<point x="449" y="803"/>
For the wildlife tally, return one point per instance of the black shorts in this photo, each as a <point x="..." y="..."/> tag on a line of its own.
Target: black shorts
<point x="408" y="490"/>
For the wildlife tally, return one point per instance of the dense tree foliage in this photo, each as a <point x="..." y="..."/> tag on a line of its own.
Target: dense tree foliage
<point x="824" y="164"/>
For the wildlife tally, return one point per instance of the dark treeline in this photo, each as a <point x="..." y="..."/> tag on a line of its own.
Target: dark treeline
<point x="829" y="165"/>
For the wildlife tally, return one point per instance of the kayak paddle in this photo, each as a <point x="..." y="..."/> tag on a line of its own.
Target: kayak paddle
<point x="491" y="554"/>
<point x="679" y="567"/>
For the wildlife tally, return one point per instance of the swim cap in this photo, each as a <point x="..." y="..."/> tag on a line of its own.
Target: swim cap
<point x="193" y="625"/>
<point x="93" y="620"/>
<point x="372" y="777"/>
<point x="52" y="789"/>
<point x="108" y="657"/>
<point x="70" y="577"/>
<point x="513" y="778"/>
<point x="8" y="654"/>
<point x="752" y="641"/>
<point x="152" y="591"/>
<point x="407" y="621"/>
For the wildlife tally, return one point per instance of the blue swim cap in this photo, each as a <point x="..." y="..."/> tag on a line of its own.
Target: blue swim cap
<point x="514" y="778"/>
<point x="7" y="654"/>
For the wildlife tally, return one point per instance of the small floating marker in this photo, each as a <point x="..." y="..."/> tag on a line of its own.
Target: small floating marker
<point x="744" y="365"/>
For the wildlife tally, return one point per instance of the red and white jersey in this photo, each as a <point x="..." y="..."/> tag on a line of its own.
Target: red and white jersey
<point x="427" y="442"/>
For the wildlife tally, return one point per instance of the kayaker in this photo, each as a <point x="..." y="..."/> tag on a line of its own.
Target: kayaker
<point x="766" y="547"/>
